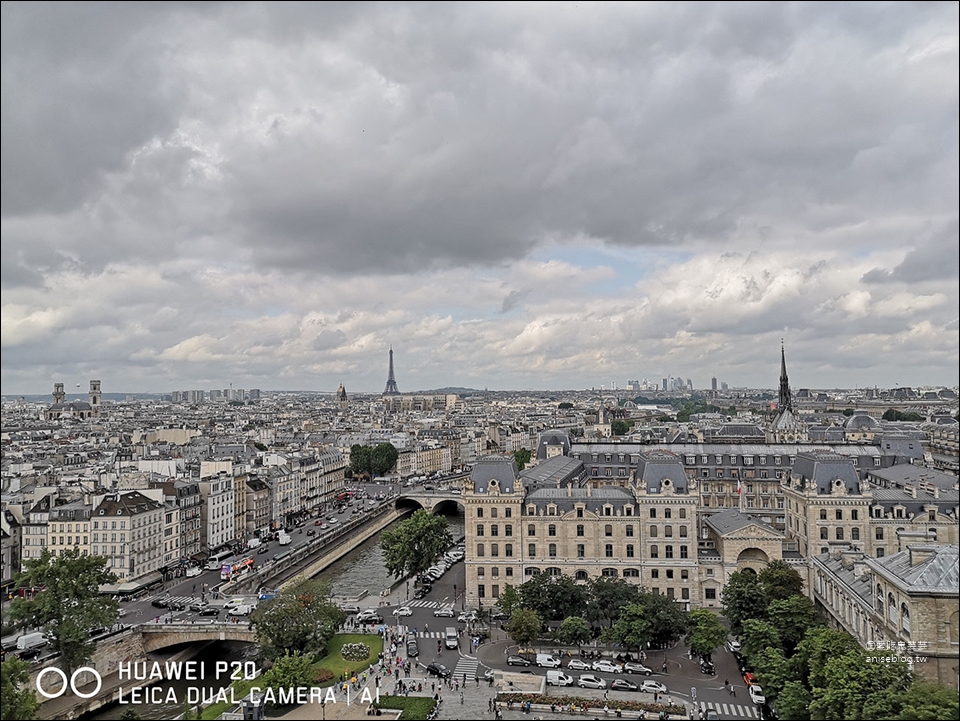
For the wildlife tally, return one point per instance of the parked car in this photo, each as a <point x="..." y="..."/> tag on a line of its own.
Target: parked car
<point x="577" y="665"/>
<point x="733" y="645"/>
<point x="403" y="611"/>
<point x="199" y="605"/>
<point x="262" y="550"/>
<point x="422" y="591"/>
<point x="311" y="532"/>
<point x="159" y="603"/>
<point x="749" y="678"/>
<point x="439" y="670"/>
<point x="621" y="684"/>
<point x="634" y="667"/>
<point x="756" y="695"/>
<point x="588" y="680"/>
<point x="653" y="687"/>
<point x="467" y="617"/>
<point x="606" y="666"/>
<point x="413" y="648"/>
<point x="444" y="612"/>
<point x="349" y="610"/>
<point x="517" y="661"/>
<point x="708" y="667"/>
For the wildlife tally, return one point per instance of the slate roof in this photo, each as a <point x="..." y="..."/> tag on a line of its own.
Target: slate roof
<point x="503" y="469"/>
<point x="904" y="473"/>
<point x="552" y="438"/>
<point x="938" y="574"/>
<point x="656" y="466"/>
<point x="566" y="499"/>
<point x="733" y="520"/>
<point x="553" y="472"/>
<point x="823" y="469"/>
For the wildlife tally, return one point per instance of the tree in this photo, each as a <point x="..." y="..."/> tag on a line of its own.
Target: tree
<point x="619" y="427"/>
<point x="818" y="646"/>
<point x="774" y="671"/>
<point x="71" y="606"/>
<point x="575" y="631"/>
<point x="415" y="544"/>
<point x="780" y="581"/>
<point x="793" y="703"/>
<point x="633" y="629"/>
<point x="300" y="620"/>
<point x="607" y="596"/>
<point x="289" y="671"/>
<point x="565" y="405"/>
<point x="524" y="626"/>
<point x="668" y="620"/>
<point x="793" y="617"/>
<point x="923" y="700"/>
<point x="522" y="457"/>
<point x="553" y="597"/>
<point x="743" y="597"/>
<point x="758" y="635"/>
<point x="17" y="699"/>
<point x="509" y="600"/>
<point x="383" y="458"/>
<point x="852" y="681"/>
<point x="706" y="633"/>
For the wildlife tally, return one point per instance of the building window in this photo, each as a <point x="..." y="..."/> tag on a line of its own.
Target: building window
<point x="685" y="594"/>
<point x="824" y="534"/>
<point x="579" y="513"/>
<point x="670" y="574"/>
<point x="839" y="514"/>
<point x="629" y="550"/>
<point x="479" y="529"/>
<point x="551" y="530"/>
<point x="532" y="550"/>
<point x="879" y="534"/>
<point x="654" y="552"/>
<point x="631" y="573"/>
<point x="581" y="551"/>
<point x="854" y="515"/>
<point x="608" y="530"/>
<point x="479" y="550"/>
<point x="823" y="514"/>
<point x="480" y="512"/>
<point x="668" y="551"/>
<point x="839" y="534"/>
<point x="509" y="572"/>
<point x="668" y="531"/>
<point x="683" y="531"/>
<point x="508" y="513"/>
<point x="508" y="529"/>
<point x="480" y="572"/>
<point x="628" y="531"/>
<point x="581" y="576"/>
<point x="653" y="531"/>
<point x="609" y="572"/>
<point x="531" y="530"/>
<point x="683" y="552"/>
<point x="667" y="513"/>
<point x="552" y="550"/>
<point x="508" y="550"/>
<point x="481" y="591"/>
<point x="710" y="594"/>
<point x="608" y="550"/>
<point x="494" y="529"/>
<point x="580" y="530"/>
<point x="653" y="513"/>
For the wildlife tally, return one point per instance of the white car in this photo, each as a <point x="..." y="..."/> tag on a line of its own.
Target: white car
<point x="634" y="667"/>
<point x="444" y="612"/>
<point x="577" y="665"/>
<point x="606" y="666"/>
<point x="734" y="646"/>
<point x="653" y="687"/>
<point x="756" y="695"/>
<point x="467" y="617"/>
<point x="403" y="611"/>
<point x="588" y="680"/>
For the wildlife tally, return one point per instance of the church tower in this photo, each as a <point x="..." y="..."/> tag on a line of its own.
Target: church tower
<point x="785" y="426"/>
<point x="95" y="398"/>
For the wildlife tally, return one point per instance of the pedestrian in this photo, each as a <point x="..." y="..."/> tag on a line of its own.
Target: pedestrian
<point x="461" y="697"/>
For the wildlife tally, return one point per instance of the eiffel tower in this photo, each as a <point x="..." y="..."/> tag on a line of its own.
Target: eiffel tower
<point x="391" y="389"/>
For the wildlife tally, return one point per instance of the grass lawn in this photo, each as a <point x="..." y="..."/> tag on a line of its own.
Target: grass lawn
<point x="333" y="662"/>
<point x="337" y="664"/>
<point x="414" y="709"/>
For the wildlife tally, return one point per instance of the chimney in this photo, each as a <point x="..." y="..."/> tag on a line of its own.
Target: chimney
<point x="919" y="554"/>
<point x="569" y="490"/>
<point x="589" y="490"/>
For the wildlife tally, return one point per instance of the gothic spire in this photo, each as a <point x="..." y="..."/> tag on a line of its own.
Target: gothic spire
<point x="785" y="400"/>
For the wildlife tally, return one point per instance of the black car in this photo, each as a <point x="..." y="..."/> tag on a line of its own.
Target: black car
<point x="262" y="550"/>
<point x="28" y="653"/>
<point x="210" y="611"/>
<point x="708" y="667"/>
<point x="438" y="669"/>
<point x="517" y="661"/>
<point x="421" y="592"/>
<point x="159" y="603"/>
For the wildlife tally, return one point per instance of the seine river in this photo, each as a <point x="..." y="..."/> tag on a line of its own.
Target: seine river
<point x="360" y="571"/>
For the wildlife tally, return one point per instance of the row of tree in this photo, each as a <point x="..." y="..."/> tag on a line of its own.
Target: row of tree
<point x="812" y="671"/>
<point x="372" y="460"/>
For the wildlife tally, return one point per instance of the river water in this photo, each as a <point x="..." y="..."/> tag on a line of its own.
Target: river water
<point x="358" y="573"/>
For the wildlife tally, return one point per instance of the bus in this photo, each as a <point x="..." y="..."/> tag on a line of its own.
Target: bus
<point x="216" y="560"/>
<point x="230" y="571"/>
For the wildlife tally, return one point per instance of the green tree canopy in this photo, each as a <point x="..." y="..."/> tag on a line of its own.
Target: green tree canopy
<point x="757" y="636"/>
<point x="632" y="629"/>
<point x="376" y="460"/>
<point x="415" y="544"/>
<point x="565" y="405"/>
<point x="819" y="645"/>
<point x="793" y="617"/>
<point x="743" y="597"/>
<point x="852" y="682"/>
<point x="70" y="607"/>
<point x="289" y="671"/>
<point x="522" y="456"/>
<point x="553" y="597"/>
<point x="706" y="633"/>
<point x="524" y="626"/>
<point x="668" y="620"/>
<point x="575" y="630"/>
<point x="298" y="620"/>
<point x="794" y="702"/>
<point x="773" y="670"/>
<point x="607" y="596"/>
<point x="509" y="600"/>
<point x="619" y="427"/>
<point x="922" y="701"/>
<point x="17" y="699"/>
<point x="780" y="581"/>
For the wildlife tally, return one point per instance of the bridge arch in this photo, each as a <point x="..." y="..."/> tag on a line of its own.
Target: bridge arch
<point x="434" y="503"/>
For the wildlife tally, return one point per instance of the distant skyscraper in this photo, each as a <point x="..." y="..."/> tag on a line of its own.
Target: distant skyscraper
<point x="391" y="389"/>
<point x="713" y="383"/>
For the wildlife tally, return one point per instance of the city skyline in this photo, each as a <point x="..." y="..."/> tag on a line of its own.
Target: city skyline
<point x="539" y="197"/>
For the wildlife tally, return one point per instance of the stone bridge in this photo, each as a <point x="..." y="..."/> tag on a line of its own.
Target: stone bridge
<point x="432" y="501"/>
<point x="162" y="635"/>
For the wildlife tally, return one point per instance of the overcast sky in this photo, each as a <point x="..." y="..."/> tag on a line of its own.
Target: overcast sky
<point x="511" y="195"/>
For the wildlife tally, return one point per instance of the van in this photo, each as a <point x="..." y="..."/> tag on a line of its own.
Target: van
<point x="450" y="638"/>
<point x="244" y="609"/>
<point x="31" y="640"/>
<point x="545" y="660"/>
<point x="254" y="543"/>
<point x="558" y="678"/>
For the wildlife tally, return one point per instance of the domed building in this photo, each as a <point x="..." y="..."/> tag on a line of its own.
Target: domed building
<point x="861" y="427"/>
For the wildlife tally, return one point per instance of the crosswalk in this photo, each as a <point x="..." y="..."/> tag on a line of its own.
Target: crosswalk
<point x="466" y="667"/>
<point x="730" y="710"/>
<point x="423" y="603"/>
